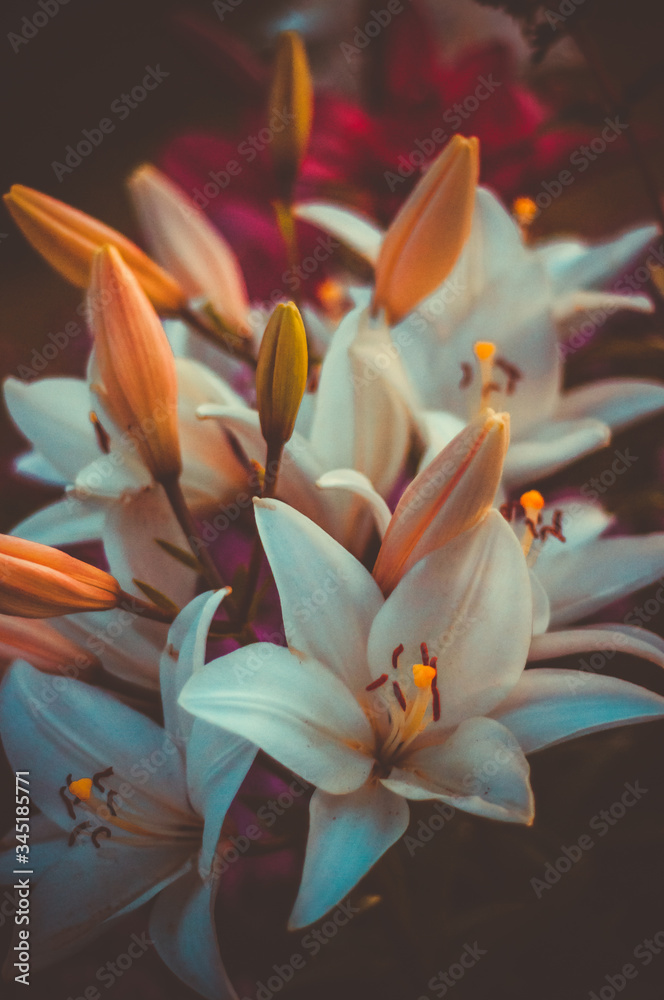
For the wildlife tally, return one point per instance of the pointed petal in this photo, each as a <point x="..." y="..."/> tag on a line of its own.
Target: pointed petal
<point x="359" y="485"/>
<point x="572" y="264"/>
<point x="328" y="599"/>
<point x="53" y="413"/>
<point x="347" y="835"/>
<point x="184" y="653"/>
<point x="295" y="709"/>
<point x="73" y="898"/>
<point x="541" y="606"/>
<point x="470" y="601"/>
<point x="64" y="522"/>
<point x="183" y="931"/>
<point x="127" y="646"/>
<point x="551" y="446"/>
<point x="617" y="402"/>
<point x="551" y="706"/>
<point x="590" y="638"/>
<point x="572" y="310"/>
<point x="480" y="768"/>
<point x="595" y="575"/>
<point x="357" y="231"/>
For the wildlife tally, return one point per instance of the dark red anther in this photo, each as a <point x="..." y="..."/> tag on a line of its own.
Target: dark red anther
<point x="96" y="834"/>
<point x="556" y="528"/>
<point x="466" y="375"/>
<point x="75" y="832"/>
<point x="513" y="373"/>
<point x="424" y="652"/>
<point x="96" y="778"/>
<point x="377" y="683"/>
<point x="435" y="701"/>
<point x="396" y="654"/>
<point x="68" y="802"/>
<point x="398" y="693"/>
<point x="103" y="439"/>
<point x="509" y="509"/>
<point x="434" y="664"/>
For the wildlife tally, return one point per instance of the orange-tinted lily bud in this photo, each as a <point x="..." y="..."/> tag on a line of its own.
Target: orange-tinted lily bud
<point x="68" y="238"/>
<point x="37" y="581"/>
<point x="42" y="646"/>
<point x="281" y="375"/>
<point x="449" y="496"/>
<point x="290" y="108"/>
<point x="135" y="363"/>
<point x="185" y="242"/>
<point x="424" y="241"/>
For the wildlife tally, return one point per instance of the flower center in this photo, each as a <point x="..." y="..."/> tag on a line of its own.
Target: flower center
<point x="104" y="812"/>
<point x="485" y="354"/>
<point x="411" y="701"/>
<point x="532" y="503"/>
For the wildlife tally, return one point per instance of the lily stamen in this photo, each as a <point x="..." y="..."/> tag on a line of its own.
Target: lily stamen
<point x="484" y="352"/>
<point x="532" y="503"/>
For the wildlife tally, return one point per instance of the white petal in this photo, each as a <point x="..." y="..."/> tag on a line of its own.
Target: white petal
<point x="470" y="601"/>
<point x="127" y="646"/>
<point x="551" y="446"/>
<point x="184" y="652"/>
<point x="617" y="402"/>
<point x="73" y="899"/>
<point x="356" y="230"/>
<point x="347" y="835"/>
<point x="64" y="523"/>
<point x="328" y="599"/>
<point x="541" y="606"/>
<point x="594" y="575"/>
<point x="296" y="710"/>
<point x="53" y="413"/>
<point x="32" y="465"/>
<point x="130" y="536"/>
<point x="359" y="485"/>
<point x="480" y="768"/>
<point x="571" y="311"/>
<point x="183" y="931"/>
<point x="551" y="706"/>
<point x="605" y="638"/>
<point x="573" y="264"/>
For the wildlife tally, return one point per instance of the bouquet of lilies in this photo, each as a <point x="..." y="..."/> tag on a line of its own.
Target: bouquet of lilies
<point x="318" y="549"/>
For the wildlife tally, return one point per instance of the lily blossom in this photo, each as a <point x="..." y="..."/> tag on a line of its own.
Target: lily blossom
<point x="114" y="834"/>
<point x="484" y="295"/>
<point x="418" y="696"/>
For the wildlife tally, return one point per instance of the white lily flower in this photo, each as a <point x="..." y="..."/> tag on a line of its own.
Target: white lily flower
<point x="519" y="298"/>
<point x="579" y="572"/>
<point x="118" y="831"/>
<point x="359" y="707"/>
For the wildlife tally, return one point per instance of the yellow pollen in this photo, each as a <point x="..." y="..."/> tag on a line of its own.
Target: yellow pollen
<point x="533" y="499"/>
<point x="423" y="675"/>
<point x="484" y="350"/>
<point x="525" y="210"/>
<point x="82" y="789"/>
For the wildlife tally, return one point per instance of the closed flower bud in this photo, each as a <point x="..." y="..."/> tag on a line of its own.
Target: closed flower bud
<point x="135" y="364"/>
<point x="43" y="646"/>
<point x="37" y="581"/>
<point x="290" y="110"/>
<point x="185" y="242"/>
<point x="449" y="496"/>
<point x="427" y="235"/>
<point x="281" y="375"/>
<point x="68" y="240"/>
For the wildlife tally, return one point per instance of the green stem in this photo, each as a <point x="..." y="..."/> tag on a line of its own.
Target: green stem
<point x="236" y="346"/>
<point x="173" y="491"/>
<point x="136" y="606"/>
